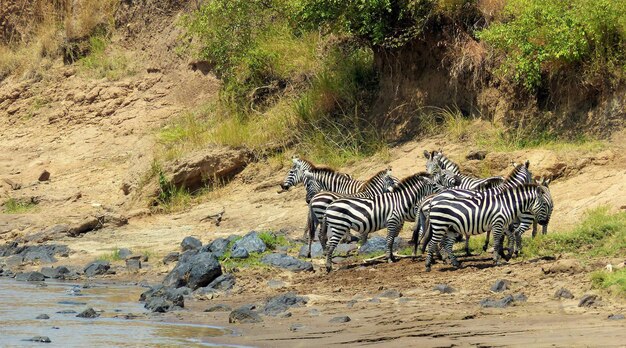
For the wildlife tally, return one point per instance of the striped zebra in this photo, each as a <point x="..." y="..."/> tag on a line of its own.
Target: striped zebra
<point x="485" y="211"/>
<point x="328" y="178"/>
<point x="519" y="175"/>
<point x="366" y="215"/>
<point x="436" y="161"/>
<point x="377" y="184"/>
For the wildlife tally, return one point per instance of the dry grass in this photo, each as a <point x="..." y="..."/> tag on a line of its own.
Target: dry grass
<point x="491" y="9"/>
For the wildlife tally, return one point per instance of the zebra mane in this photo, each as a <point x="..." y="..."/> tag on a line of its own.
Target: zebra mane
<point x="416" y="176"/>
<point x="374" y="177"/>
<point x="518" y="168"/>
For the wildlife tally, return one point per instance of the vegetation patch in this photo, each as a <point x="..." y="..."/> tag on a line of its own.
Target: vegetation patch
<point x="111" y="257"/>
<point x="101" y="62"/>
<point x="16" y="206"/>
<point x="614" y="282"/>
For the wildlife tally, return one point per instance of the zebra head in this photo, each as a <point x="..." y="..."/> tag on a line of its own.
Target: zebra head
<point x="296" y="173"/>
<point x="542" y="209"/>
<point x="432" y="163"/>
<point x="438" y="159"/>
<point x="311" y="185"/>
<point x="446" y="178"/>
<point x="544" y="182"/>
<point x="520" y="174"/>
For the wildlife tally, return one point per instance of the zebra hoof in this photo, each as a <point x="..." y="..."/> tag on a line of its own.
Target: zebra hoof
<point x="427" y="268"/>
<point x="456" y="264"/>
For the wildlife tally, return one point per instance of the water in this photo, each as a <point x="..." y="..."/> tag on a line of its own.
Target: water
<point x="22" y="302"/>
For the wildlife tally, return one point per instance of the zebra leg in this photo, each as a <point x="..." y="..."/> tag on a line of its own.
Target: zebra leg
<point x="337" y="235"/>
<point x="323" y="235"/>
<point x="517" y="234"/>
<point x="486" y="245"/>
<point x="497" y="243"/>
<point x="393" y="228"/>
<point x="448" y="244"/>
<point x="311" y="226"/>
<point x="535" y="229"/>
<point x="468" y="252"/>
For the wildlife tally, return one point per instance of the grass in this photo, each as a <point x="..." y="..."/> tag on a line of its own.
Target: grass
<point x="273" y="240"/>
<point x="15" y="206"/>
<point x="111" y="257"/>
<point x="105" y="63"/>
<point x="614" y="282"/>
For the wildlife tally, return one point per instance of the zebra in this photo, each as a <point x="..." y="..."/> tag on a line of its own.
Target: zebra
<point x="485" y="211"/>
<point x="518" y="176"/>
<point x="377" y="184"/>
<point x="328" y="178"/>
<point x="437" y="161"/>
<point x="370" y="214"/>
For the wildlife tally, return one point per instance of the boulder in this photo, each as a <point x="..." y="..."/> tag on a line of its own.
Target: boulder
<point x="377" y="244"/>
<point x="218" y="247"/>
<point x="476" y="155"/>
<point x="133" y="264"/>
<point x="44" y="176"/>
<point x="198" y="169"/>
<point x="278" y="304"/>
<point x="88" y="313"/>
<point x="588" y="300"/>
<point x="616" y="317"/>
<point x="502" y="303"/>
<point x="43" y="316"/>
<point x="171" y="257"/>
<point x="124" y="253"/>
<point x="316" y="250"/>
<point x="190" y="243"/>
<point x="444" y="288"/>
<point x="30" y="277"/>
<point x="563" y="266"/>
<point x="97" y="268"/>
<point x="163" y="299"/>
<point x="340" y="319"/>
<point x="223" y="282"/>
<point x="195" y="271"/>
<point x="500" y="285"/>
<point x="40" y="339"/>
<point x="286" y="262"/>
<point x="244" y="316"/>
<point x="239" y="253"/>
<point x="251" y="243"/>
<point x="563" y="293"/>
<point x="55" y="272"/>
<point x="219" y="308"/>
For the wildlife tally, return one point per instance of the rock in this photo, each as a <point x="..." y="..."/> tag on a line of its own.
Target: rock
<point x="67" y="311"/>
<point x="344" y="249"/>
<point x="218" y="247"/>
<point x="285" y="315"/>
<point x="14" y="261"/>
<point x="223" y="282"/>
<point x="244" y="316"/>
<point x="616" y="317"/>
<point x="286" y="262"/>
<point x="133" y="264"/>
<point x="219" y="163"/>
<point x="391" y="294"/>
<point x="43" y="316"/>
<point x="476" y="155"/>
<point x="251" y="243"/>
<point x="340" y="319"/>
<point x="563" y="266"/>
<point x="281" y="303"/>
<point x="405" y="300"/>
<point x="500" y="285"/>
<point x="159" y="305"/>
<point x="205" y="293"/>
<point x="296" y="327"/>
<point x="276" y="284"/>
<point x="219" y="308"/>
<point x="171" y="257"/>
<point x="30" y="277"/>
<point x="164" y="299"/>
<point x="194" y="272"/>
<point x="377" y="244"/>
<point x="44" y="176"/>
<point x="520" y="297"/>
<point x="502" y="303"/>
<point x="239" y="253"/>
<point x="588" y="300"/>
<point x="316" y="250"/>
<point x="88" y="313"/>
<point x="314" y="312"/>
<point x="374" y="300"/>
<point x="96" y="268"/>
<point x="444" y="288"/>
<point x="250" y="306"/>
<point x="351" y="303"/>
<point x="124" y="253"/>
<point x="190" y="243"/>
<point x="55" y="272"/>
<point x="40" y="339"/>
<point x="563" y="293"/>
<point x="14" y="185"/>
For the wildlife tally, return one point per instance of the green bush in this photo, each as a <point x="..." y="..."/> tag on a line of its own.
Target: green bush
<point x="539" y="35"/>
<point x="613" y="281"/>
<point x="15" y="206"/>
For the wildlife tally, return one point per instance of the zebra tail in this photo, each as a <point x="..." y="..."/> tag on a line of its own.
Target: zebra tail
<point x="311" y="225"/>
<point x="418" y="225"/>
<point x="428" y="233"/>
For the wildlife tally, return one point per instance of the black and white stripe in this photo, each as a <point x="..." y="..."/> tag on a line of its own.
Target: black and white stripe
<point x="366" y="215"/>
<point x="492" y="210"/>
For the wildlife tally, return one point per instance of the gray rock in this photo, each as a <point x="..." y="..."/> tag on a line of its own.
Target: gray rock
<point x="391" y="293"/>
<point x="444" y="288"/>
<point x="163" y="299"/>
<point x="239" y="253"/>
<point x="171" y="257"/>
<point x="520" y="297"/>
<point x="42" y="256"/>
<point x="476" y="155"/>
<point x="377" y="244"/>
<point x="276" y="284"/>
<point x="198" y="271"/>
<point x="502" y="303"/>
<point x="30" y="277"/>
<point x="14" y="261"/>
<point x="244" y="316"/>
<point x="344" y="249"/>
<point x="316" y="250"/>
<point x="616" y="317"/>
<point x="351" y="303"/>
<point x="190" y="243"/>
<point x="251" y="242"/>
<point x="296" y="327"/>
<point x="340" y="319"/>
<point x="500" y="285"/>
<point x="67" y="311"/>
<point x="40" y="339"/>
<point x="219" y="308"/>
<point x="205" y="293"/>
<point x="374" y="300"/>
<point x="43" y="316"/>
<point x="159" y="305"/>
<point x="223" y="282"/>
<point x="97" y="268"/>
<point x="88" y="313"/>
<point x="286" y="262"/>
<point x="233" y="238"/>
<point x="285" y="315"/>
<point x="314" y="312"/>
<point x="278" y="304"/>
<point x="218" y="247"/>
<point x="588" y="300"/>
<point x="55" y="272"/>
<point x="133" y="264"/>
<point x="124" y="253"/>
<point x="250" y="306"/>
<point x="563" y="293"/>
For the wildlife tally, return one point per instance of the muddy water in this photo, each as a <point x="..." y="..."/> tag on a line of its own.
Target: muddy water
<point x="22" y="302"/>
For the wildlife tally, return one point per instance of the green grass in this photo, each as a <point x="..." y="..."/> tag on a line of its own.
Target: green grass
<point x="103" y="63"/>
<point x="111" y="257"/>
<point x="273" y="240"/>
<point x="614" y="282"/>
<point x="15" y="206"/>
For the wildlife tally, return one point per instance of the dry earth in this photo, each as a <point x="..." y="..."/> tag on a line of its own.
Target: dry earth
<point x="96" y="136"/>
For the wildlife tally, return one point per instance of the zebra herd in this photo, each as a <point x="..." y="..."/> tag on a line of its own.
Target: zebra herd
<point x="444" y="204"/>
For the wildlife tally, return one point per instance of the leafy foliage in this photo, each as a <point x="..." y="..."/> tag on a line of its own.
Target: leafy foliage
<point x="15" y="206"/>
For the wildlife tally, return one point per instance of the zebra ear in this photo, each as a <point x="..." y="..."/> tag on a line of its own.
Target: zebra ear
<point x="295" y="159"/>
<point x="546" y="182"/>
<point x="513" y="164"/>
<point x="527" y="164"/>
<point x="427" y="154"/>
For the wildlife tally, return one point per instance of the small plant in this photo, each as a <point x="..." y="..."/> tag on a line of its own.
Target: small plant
<point x="614" y="282"/>
<point x="15" y="206"/>
<point x="112" y="256"/>
<point x="272" y="240"/>
<point x="100" y="63"/>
